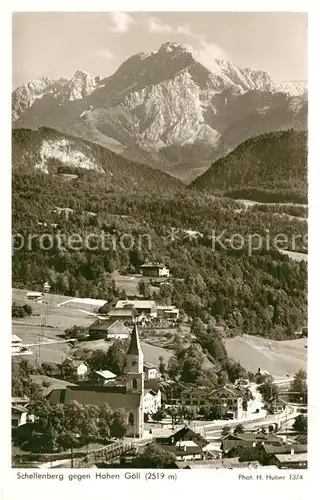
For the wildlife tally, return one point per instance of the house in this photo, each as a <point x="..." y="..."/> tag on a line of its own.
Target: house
<point x="193" y="396"/>
<point x="109" y="328"/>
<point x="46" y="287"/>
<point x="185" y="444"/>
<point x="269" y="451"/>
<point x="152" y="401"/>
<point x="292" y="461"/>
<point x="248" y="445"/>
<point x="262" y="376"/>
<point x="34" y="295"/>
<point x="118" y="330"/>
<point x="168" y="312"/>
<point x="16" y="344"/>
<point x="227" y="400"/>
<point x="128" y="396"/>
<point x="102" y="377"/>
<point x="75" y="369"/>
<point x="276" y="404"/>
<point x="156" y="270"/>
<point x="142" y="307"/>
<point x="150" y="371"/>
<point x="125" y="314"/>
<point x="20" y="416"/>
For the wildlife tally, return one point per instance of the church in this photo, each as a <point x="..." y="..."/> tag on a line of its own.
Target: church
<point x="128" y="394"/>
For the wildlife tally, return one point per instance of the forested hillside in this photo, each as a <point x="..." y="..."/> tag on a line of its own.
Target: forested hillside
<point x="47" y="150"/>
<point x="268" y="168"/>
<point x="263" y="294"/>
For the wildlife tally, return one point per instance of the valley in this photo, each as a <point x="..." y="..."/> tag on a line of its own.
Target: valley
<point x="159" y="257"/>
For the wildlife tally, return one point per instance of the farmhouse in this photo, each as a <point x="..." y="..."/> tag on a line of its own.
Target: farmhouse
<point x="75" y="369"/>
<point x="16" y="343"/>
<point x="102" y="377"/>
<point x="46" y="287"/>
<point x="122" y="314"/>
<point x="128" y="396"/>
<point x="294" y="461"/>
<point x="154" y="270"/>
<point x="109" y="328"/>
<point x="185" y="444"/>
<point x="34" y="295"/>
<point x="20" y="416"/>
<point x="269" y="451"/>
<point x="248" y="445"/>
<point x="168" y="312"/>
<point x="142" y="307"/>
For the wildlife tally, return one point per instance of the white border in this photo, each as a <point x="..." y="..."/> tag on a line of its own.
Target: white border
<point x="195" y="483"/>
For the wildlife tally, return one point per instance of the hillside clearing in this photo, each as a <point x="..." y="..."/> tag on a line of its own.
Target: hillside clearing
<point x="277" y="357"/>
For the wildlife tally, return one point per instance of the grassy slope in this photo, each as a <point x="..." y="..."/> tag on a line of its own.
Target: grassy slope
<point x="278" y="358"/>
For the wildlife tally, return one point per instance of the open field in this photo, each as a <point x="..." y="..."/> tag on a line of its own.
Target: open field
<point x="151" y="353"/>
<point x="54" y="320"/>
<point x="277" y="357"/>
<point x="130" y="283"/>
<point x="295" y="255"/>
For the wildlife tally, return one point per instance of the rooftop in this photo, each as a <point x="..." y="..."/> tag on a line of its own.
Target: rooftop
<point x="224" y="463"/>
<point x="19" y="409"/>
<point x="107" y="374"/>
<point x="297" y="458"/>
<point x="149" y="365"/>
<point x="138" y="304"/>
<point x="15" y="338"/>
<point x="155" y="265"/>
<point x="102" y="324"/>
<point x="120" y="311"/>
<point x="271" y="449"/>
<point x="134" y="347"/>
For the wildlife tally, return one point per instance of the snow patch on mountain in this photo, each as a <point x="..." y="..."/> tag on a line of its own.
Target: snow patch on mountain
<point x="67" y="153"/>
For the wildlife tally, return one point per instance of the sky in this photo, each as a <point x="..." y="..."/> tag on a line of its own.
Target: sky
<point x="58" y="44"/>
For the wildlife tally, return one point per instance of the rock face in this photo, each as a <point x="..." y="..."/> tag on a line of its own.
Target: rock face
<point x="168" y="108"/>
<point x="25" y="95"/>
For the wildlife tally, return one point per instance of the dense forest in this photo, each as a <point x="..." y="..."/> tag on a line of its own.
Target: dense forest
<point x="262" y="293"/>
<point x="268" y="168"/>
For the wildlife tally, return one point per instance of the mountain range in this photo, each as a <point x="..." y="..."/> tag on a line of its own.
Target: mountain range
<point x="167" y="109"/>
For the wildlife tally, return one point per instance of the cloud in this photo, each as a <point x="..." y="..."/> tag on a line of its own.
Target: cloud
<point x="121" y="22"/>
<point x="105" y="53"/>
<point x="211" y="50"/>
<point x="156" y="26"/>
<point x="207" y="50"/>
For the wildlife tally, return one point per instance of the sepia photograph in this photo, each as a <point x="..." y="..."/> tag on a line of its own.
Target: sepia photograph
<point x="159" y="242"/>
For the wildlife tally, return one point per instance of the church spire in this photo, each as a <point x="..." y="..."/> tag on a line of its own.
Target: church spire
<point x="134" y="347"/>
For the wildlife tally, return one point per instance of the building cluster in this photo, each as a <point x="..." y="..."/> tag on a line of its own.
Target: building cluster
<point x="116" y="324"/>
<point x="137" y="391"/>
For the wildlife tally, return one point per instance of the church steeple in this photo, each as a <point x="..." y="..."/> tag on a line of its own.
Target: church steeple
<point x="134" y="361"/>
<point x="134" y="376"/>
<point x="134" y="347"/>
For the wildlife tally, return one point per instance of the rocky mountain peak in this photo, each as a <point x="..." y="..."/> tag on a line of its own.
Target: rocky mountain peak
<point x="81" y="84"/>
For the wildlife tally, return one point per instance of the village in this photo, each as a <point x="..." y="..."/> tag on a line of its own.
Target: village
<point x="99" y="355"/>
